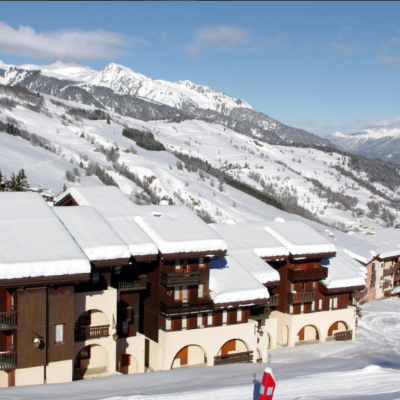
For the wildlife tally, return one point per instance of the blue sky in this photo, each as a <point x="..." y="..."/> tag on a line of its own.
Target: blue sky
<point x="320" y="66"/>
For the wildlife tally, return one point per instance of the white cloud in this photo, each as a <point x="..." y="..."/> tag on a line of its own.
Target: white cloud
<point x="389" y="123"/>
<point x="221" y="37"/>
<point x="66" y="45"/>
<point x="390" y="61"/>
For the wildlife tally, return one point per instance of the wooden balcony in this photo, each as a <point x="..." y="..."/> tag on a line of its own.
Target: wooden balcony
<point x="8" y="361"/>
<point x="244" y="357"/>
<point x="91" y="332"/>
<point x="396" y="276"/>
<point x="171" y="309"/>
<point x="301" y="297"/>
<point x="386" y="284"/>
<point x="173" y="279"/>
<point x="273" y="300"/>
<point x="391" y="270"/>
<point x="297" y="275"/>
<point x="343" y="336"/>
<point x="132" y="284"/>
<point x="8" y="320"/>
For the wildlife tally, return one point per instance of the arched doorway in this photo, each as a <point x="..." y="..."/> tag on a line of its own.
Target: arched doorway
<point x="285" y="338"/>
<point x="189" y="356"/>
<point x="91" y="362"/>
<point x="233" y="351"/>
<point x="338" y="326"/>
<point x="308" y="333"/>
<point x="127" y="364"/>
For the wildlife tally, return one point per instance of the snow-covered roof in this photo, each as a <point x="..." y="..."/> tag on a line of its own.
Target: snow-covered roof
<point x="260" y="269"/>
<point x="250" y="235"/>
<point x="176" y="229"/>
<point x="231" y="282"/>
<point x="93" y="234"/>
<point x="299" y="238"/>
<point x="386" y="241"/>
<point x="119" y="212"/>
<point x="343" y="271"/>
<point x="34" y="242"/>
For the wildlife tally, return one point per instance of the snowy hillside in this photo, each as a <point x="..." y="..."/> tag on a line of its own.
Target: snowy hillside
<point x="379" y="142"/>
<point x="76" y="148"/>
<point x="366" y="369"/>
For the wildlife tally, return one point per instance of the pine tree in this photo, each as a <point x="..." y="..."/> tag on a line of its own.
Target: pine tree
<point x="2" y="184"/>
<point x="108" y="119"/>
<point x="17" y="183"/>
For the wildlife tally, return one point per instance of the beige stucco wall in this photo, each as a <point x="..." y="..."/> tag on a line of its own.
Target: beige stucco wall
<point x="267" y="337"/>
<point x="59" y="372"/>
<point x="210" y="340"/>
<point x="289" y="325"/>
<point x="29" y="376"/>
<point x="3" y="379"/>
<point x="135" y="346"/>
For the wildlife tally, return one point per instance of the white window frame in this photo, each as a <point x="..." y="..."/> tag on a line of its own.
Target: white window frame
<point x="59" y="333"/>
<point x="313" y="305"/>
<point x="184" y="322"/>
<point x="302" y="308"/>
<point x="330" y="303"/>
<point x="224" y="317"/>
<point x="335" y="302"/>
<point x="209" y="319"/>
<point x="200" y="321"/>
<point x="201" y="262"/>
<point x="291" y="309"/>
<point x="177" y="293"/>
<point x="239" y="317"/>
<point x="168" y="323"/>
<point x="177" y="264"/>
<point x="200" y="293"/>
<point x="320" y="304"/>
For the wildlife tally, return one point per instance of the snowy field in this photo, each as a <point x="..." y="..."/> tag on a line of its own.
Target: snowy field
<point x="366" y="369"/>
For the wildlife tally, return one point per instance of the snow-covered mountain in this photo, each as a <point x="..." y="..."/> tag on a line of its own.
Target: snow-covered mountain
<point x="63" y="142"/>
<point x="122" y="90"/>
<point x="378" y="142"/>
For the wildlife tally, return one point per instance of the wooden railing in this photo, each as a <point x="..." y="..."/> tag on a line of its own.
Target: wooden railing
<point x="301" y="297"/>
<point x="182" y="309"/>
<point x="91" y="332"/>
<point x="391" y="270"/>
<point x="386" y="284"/>
<point x="244" y="357"/>
<point x="296" y="275"/>
<point x="180" y="278"/>
<point x="396" y="276"/>
<point x="131" y="284"/>
<point x="273" y="300"/>
<point x="343" y="336"/>
<point x="8" y="361"/>
<point x="8" y="320"/>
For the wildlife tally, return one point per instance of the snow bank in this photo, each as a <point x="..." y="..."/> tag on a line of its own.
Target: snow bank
<point x="34" y="242"/>
<point x="93" y="234"/>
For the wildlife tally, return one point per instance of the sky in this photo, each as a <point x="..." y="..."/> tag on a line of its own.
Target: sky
<point x="320" y="66"/>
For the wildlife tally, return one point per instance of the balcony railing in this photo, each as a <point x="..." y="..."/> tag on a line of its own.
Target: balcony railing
<point x="91" y="332"/>
<point x="244" y="357"/>
<point x="396" y="276"/>
<point x="386" y="284"/>
<point x="8" y="361"/>
<point x="273" y="300"/>
<point x="132" y="284"/>
<point x="391" y="270"/>
<point x="182" y="309"/>
<point x="296" y="275"/>
<point x="8" y="320"/>
<point x="301" y="297"/>
<point x="343" y="336"/>
<point x="180" y="278"/>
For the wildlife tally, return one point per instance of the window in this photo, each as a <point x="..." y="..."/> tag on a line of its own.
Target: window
<point x="177" y="264"/>
<point x="185" y="263"/>
<point x="291" y="309"/>
<point x="177" y="294"/>
<point x="330" y="304"/>
<point x="335" y="302"/>
<point x="84" y="354"/>
<point x="117" y="270"/>
<point x="59" y="333"/>
<point x="224" y="317"/>
<point x="125" y="328"/>
<point x="181" y="294"/>
<point x="95" y="277"/>
<point x="200" y="321"/>
<point x="201" y="291"/>
<point x="301" y="308"/>
<point x="209" y="319"/>
<point x="313" y="306"/>
<point x="201" y="262"/>
<point x="184" y="322"/>
<point x="168" y="323"/>
<point x="320" y="304"/>
<point x="239" y="315"/>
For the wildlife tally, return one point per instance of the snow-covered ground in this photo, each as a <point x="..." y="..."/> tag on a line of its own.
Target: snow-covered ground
<point x="369" y="368"/>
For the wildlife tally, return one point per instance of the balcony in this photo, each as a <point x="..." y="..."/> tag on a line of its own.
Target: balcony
<point x="273" y="300"/>
<point x="260" y="313"/>
<point x="91" y="332"/>
<point x="132" y="284"/>
<point x="360" y="295"/>
<point x="8" y="320"/>
<point x="391" y="270"/>
<point x="386" y="284"/>
<point x="300" y="297"/>
<point x="297" y="275"/>
<point x="8" y="361"/>
<point x="396" y="276"/>
<point x="343" y="336"/>
<point x="173" y="279"/>
<point x="184" y="309"/>
<point x="244" y="357"/>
